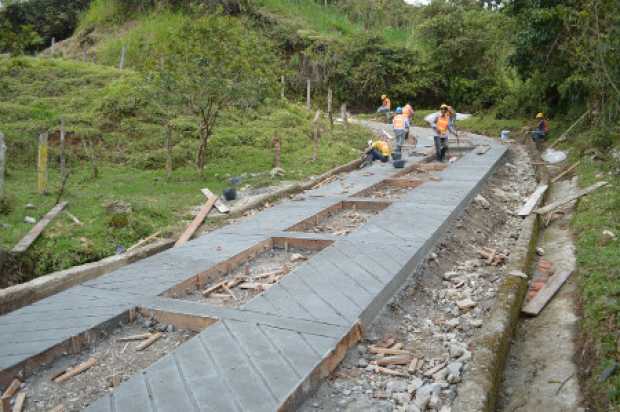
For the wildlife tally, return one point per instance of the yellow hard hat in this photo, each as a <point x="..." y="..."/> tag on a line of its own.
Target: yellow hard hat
<point x="443" y="106"/>
<point x="383" y="96"/>
<point x="540" y="115"/>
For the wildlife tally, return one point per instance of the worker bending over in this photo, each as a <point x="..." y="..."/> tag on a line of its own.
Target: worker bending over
<point x="386" y="105"/>
<point x="378" y="150"/>
<point x="442" y="124"/>
<point x="539" y="134"/>
<point x="401" y="128"/>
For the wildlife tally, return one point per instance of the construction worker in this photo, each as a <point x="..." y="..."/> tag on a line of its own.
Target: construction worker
<point x="386" y="104"/>
<point x="401" y="128"/>
<point x="539" y="134"/>
<point x="378" y="150"/>
<point x="409" y="113"/>
<point x="441" y="124"/>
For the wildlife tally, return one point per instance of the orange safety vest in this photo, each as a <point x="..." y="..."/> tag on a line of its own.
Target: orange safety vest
<point x="442" y="123"/>
<point x="399" y="122"/>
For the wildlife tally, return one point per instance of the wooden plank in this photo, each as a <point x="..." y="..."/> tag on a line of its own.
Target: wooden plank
<point x="34" y="233"/>
<point x="5" y="400"/>
<point x="143" y="241"/>
<point x="149" y="341"/>
<point x="387" y="351"/>
<point x="544" y="295"/>
<point x="394" y="360"/>
<point x="191" y="229"/>
<point x="219" y="205"/>
<point x="76" y="371"/>
<point x="142" y="336"/>
<point x="532" y="201"/>
<point x="391" y="372"/>
<point x="561" y="175"/>
<point x="213" y="288"/>
<point x="577" y="195"/>
<point x="19" y="402"/>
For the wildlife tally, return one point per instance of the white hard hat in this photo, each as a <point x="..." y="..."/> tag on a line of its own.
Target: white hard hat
<point x="369" y="142"/>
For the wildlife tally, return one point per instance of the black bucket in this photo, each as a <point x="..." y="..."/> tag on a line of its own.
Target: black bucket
<point x="399" y="164"/>
<point x="396" y="156"/>
<point x="230" y="194"/>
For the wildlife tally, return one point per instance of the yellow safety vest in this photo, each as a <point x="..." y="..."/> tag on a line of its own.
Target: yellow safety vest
<point x="382" y="147"/>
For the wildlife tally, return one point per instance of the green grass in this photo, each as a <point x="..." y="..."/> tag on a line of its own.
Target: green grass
<point x="598" y="269"/>
<point x="102" y="102"/>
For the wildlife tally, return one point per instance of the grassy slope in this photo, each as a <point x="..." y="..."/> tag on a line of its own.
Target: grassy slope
<point x="131" y="164"/>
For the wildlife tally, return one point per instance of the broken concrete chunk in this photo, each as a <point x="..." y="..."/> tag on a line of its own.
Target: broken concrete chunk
<point x="482" y="202"/>
<point x="466" y="304"/>
<point x="450" y="275"/>
<point x="297" y="257"/>
<point x="29" y="219"/>
<point x="607" y="237"/>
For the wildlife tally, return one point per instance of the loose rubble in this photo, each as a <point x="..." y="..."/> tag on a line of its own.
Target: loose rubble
<point x="435" y="317"/>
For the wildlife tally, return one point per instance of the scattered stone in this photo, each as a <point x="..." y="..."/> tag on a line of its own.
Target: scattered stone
<point x="412" y="407"/>
<point x="364" y="404"/>
<point x="362" y="363"/>
<point x="480" y="200"/>
<point x="30" y="206"/>
<point x="29" y="219"/>
<point x="362" y="349"/>
<point x="476" y="323"/>
<point x="609" y="371"/>
<point x="346" y="392"/>
<point x="414" y="384"/>
<point x="540" y="251"/>
<point x="423" y="395"/>
<point x="456" y="351"/>
<point x="433" y="256"/>
<point x="454" y="372"/>
<point x="607" y="237"/>
<point x="295" y="257"/>
<point x="450" y="275"/>
<point x="445" y="408"/>
<point x="171" y="328"/>
<point x="276" y="171"/>
<point x="466" y="304"/>
<point x="453" y="323"/>
<point x="395" y="386"/>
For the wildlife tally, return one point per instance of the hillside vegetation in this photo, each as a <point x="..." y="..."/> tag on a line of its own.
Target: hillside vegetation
<point x="205" y="74"/>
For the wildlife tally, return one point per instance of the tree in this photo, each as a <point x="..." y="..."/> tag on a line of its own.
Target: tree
<point x="238" y="69"/>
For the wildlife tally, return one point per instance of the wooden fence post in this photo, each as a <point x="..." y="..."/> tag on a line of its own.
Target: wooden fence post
<point x="63" y="170"/>
<point x="316" y="135"/>
<point x="121" y="64"/>
<point x="330" y="115"/>
<point x="276" y="152"/>
<point x="168" y="150"/>
<point x="308" y="90"/>
<point x="53" y="45"/>
<point x="2" y="163"/>
<point x="283" y="85"/>
<point x="344" y="115"/>
<point x="42" y="164"/>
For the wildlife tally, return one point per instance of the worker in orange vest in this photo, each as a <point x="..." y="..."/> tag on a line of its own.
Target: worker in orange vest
<point x="409" y="113"/>
<point x="386" y="105"/>
<point x="401" y="126"/>
<point x="442" y="124"/>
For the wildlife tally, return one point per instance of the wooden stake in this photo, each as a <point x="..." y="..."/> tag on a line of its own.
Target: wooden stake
<point x="62" y="147"/>
<point x="72" y="217"/>
<point x="219" y="205"/>
<point x="580" y="193"/>
<point x="191" y="229"/>
<point x="534" y="306"/>
<point x="282" y="86"/>
<point x="11" y="390"/>
<point x="121" y="63"/>
<point x="2" y="163"/>
<point x="42" y="164"/>
<point x="149" y="341"/>
<point x="532" y="201"/>
<point x="144" y="241"/>
<point x="565" y="134"/>
<point x="316" y="135"/>
<point x="168" y="145"/>
<point x="387" y="351"/>
<point x="394" y="360"/>
<point x="561" y="175"/>
<point x="76" y="371"/>
<point x="276" y="151"/>
<point x="308" y="105"/>
<point x="330" y="114"/>
<point x="344" y="115"/>
<point x="34" y="233"/>
<point x="392" y="372"/>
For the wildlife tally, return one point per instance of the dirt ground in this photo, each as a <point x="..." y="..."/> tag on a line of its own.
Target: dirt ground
<point x="113" y="358"/>
<point x="257" y="275"/>
<point x="386" y="192"/>
<point x="438" y="312"/>
<point x="342" y="222"/>
<point x="541" y="374"/>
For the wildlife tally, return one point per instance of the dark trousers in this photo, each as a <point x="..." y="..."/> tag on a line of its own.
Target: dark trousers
<point x="441" y="147"/>
<point x="375" y="155"/>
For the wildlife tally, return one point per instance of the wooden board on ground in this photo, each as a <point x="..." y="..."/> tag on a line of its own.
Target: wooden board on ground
<point x="544" y="295"/>
<point x="34" y="233"/>
<point x="532" y="201"/>
<point x="219" y="205"/>
<point x="561" y="175"/>
<point x="191" y="229"/>
<point x="574" y="196"/>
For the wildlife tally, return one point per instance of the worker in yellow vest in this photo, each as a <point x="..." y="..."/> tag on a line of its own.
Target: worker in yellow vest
<point x="401" y="127"/>
<point x="442" y="124"/>
<point x="377" y="150"/>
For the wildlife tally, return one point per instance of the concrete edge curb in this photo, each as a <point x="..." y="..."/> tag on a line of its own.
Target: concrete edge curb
<point x="18" y="296"/>
<point x="483" y="379"/>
